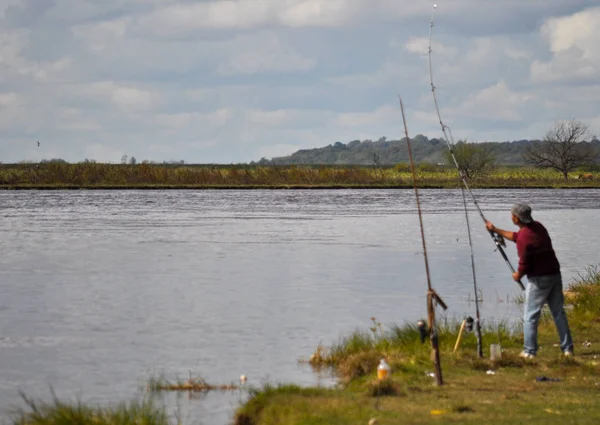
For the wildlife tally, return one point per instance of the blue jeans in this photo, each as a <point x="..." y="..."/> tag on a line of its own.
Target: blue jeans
<point x="542" y="289"/>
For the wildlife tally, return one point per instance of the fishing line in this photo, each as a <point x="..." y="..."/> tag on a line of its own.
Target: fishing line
<point x="498" y="240"/>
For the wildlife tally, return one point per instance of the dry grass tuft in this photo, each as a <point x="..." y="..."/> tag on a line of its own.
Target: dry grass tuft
<point x="387" y="388"/>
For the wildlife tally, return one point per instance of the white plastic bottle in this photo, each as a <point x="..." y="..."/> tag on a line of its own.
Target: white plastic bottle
<point x="383" y="370"/>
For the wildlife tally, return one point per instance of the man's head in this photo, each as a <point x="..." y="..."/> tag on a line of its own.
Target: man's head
<point x="521" y="214"/>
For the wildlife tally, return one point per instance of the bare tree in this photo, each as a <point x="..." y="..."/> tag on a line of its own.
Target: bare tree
<point x="473" y="160"/>
<point x="564" y="148"/>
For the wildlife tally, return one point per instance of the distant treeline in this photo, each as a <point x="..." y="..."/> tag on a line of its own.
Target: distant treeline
<point x="388" y="152"/>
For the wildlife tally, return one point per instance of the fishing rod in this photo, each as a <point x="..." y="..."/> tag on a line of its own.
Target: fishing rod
<point x="431" y="294"/>
<point x="498" y="240"/>
<point x="477" y="317"/>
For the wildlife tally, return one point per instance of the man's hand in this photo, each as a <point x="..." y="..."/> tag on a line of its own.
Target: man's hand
<point x="490" y="226"/>
<point x="516" y="276"/>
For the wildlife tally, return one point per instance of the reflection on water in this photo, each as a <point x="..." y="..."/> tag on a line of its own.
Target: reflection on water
<point x="102" y="289"/>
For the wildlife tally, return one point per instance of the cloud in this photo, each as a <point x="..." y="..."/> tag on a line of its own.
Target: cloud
<point x="275" y="118"/>
<point x="234" y="80"/>
<point x="185" y="19"/>
<point x="497" y="102"/>
<point x="185" y="120"/>
<point x="381" y="115"/>
<point x="573" y="42"/>
<point x="131" y="97"/>
<point x="8" y="100"/>
<point x="265" y="53"/>
<point x="182" y="18"/>
<point x="26" y="13"/>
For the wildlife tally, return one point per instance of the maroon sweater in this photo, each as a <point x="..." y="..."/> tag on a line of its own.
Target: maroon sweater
<point x="536" y="255"/>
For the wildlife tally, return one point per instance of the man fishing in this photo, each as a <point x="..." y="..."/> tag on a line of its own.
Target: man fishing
<point x="537" y="261"/>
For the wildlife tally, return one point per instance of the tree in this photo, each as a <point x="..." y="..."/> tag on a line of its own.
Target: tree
<point x="124" y="159"/>
<point x="376" y="158"/>
<point x="132" y="160"/>
<point x="473" y="160"/>
<point x="564" y="148"/>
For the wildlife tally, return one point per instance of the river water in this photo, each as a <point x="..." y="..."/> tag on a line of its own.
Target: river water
<point x="100" y="290"/>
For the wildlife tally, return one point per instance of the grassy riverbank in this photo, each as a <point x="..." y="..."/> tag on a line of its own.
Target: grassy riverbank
<point x="165" y="176"/>
<point x="552" y="389"/>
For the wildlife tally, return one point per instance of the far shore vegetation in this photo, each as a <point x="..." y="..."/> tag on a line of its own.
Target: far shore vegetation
<point x="92" y="175"/>
<point x="550" y="389"/>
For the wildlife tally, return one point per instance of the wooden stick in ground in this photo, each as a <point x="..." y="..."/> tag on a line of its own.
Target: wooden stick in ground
<point x="431" y="294"/>
<point x="435" y="351"/>
<point x="460" y="334"/>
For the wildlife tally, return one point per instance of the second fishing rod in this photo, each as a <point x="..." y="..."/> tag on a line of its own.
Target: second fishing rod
<point x="498" y="240"/>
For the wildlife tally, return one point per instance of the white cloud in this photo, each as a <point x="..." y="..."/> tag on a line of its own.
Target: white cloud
<point x="185" y="19"/>
<point x="131" y="97"/>
<point x="319" y="12"/>
<point x="74" y="119"/>
<point x="497" y="102"/>
<point x="381" y="115"/>
<point x="573" y="42"/>
<point x="180" y="121"/>
<point x="264" y="53"/>
<point x="288" y="117"/>
<point x="112" y="94"/>
<point x="99" y="36"/>
<point x="8" y="100"/>
<point x="388" y="73"/>
<point x="181" y="19"/>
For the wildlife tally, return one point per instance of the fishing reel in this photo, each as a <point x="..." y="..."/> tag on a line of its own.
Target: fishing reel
<point x="499" y="240"/>
<point x="469" y="324"/>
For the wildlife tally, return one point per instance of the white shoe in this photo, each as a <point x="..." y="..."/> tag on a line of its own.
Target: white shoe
<point x="526" y="355"/>
<point x="568" y="353"/>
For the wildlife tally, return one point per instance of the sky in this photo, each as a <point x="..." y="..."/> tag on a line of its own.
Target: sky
<point x="229" y="81"/>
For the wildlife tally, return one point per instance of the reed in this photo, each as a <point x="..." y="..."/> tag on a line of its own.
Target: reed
<point x="195" y="384"/>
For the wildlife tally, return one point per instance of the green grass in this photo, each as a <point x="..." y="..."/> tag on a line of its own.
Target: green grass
<point x="359" y="353"/>
<point x="70" y="413"/>
<point x="584" y="293"/>
<point x="475" y="391"/>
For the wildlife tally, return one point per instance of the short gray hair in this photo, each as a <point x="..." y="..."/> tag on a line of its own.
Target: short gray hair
<point x="522" y="212"/>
